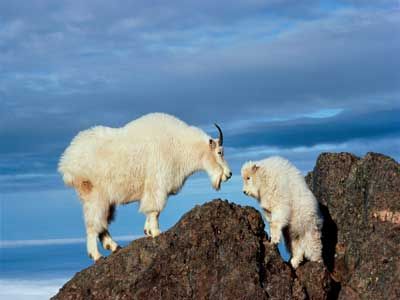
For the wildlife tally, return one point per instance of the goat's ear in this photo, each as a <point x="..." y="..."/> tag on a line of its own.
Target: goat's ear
<point x="212" y="144"/>
<point x="254" y="168"/>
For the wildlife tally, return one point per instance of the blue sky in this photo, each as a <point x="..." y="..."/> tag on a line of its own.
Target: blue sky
<point x="280" y="77"/>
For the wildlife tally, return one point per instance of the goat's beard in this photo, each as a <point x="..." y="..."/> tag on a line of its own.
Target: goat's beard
<point x="217" y="183"/>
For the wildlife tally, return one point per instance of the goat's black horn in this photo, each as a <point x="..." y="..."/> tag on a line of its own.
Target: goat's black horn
<point x="221" y="136"/>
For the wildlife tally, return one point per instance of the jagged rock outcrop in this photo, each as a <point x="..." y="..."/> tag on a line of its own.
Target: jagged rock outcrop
<point x="216" y="251"/>
<point x="220" y="251"/>
<point x="361" y="202"/>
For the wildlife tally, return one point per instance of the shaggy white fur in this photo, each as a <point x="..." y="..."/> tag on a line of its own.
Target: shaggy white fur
<point x="287" y="203"/>
<point x="146" y="160"/>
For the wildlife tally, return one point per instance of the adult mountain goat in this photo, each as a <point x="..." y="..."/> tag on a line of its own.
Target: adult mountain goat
<point x="146" y="160"/>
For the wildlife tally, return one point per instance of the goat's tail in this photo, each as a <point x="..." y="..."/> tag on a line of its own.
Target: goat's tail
<point x="68" y="179"/>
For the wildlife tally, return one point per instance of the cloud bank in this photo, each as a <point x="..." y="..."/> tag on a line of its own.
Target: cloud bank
<point x="281" y="78"/>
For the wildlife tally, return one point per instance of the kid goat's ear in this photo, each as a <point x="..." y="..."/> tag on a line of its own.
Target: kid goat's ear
<point x="254" y="168"/>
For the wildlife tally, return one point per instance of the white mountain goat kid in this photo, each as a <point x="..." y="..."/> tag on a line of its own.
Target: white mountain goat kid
<point x="288" y="204"/>
<point x="146" y="160"/>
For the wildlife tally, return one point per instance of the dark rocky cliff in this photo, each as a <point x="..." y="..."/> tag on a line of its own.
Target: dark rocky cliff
<point x="362" y="244"/>
<point x="220" y="251"/>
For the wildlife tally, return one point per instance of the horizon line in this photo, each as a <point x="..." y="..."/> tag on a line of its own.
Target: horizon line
<point x="60" y="241"/>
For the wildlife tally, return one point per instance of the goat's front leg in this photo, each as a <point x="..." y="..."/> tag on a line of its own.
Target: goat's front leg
<point x="267" y="214"/>
<point x="276" y="231"/>
<point x="279" y="219"/>
<point x="153" y="228"/>
<point x="147" y="226"/>
<point x="151" y="205"/>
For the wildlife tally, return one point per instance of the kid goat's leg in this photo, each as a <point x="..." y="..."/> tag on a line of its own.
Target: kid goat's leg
<point x="297" y="252"/>
<point x="313" y="245"/>
<point x="279" y="219"/>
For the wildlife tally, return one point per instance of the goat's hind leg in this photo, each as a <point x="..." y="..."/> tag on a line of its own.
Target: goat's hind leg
<point x="94" y="227"/>
<point x="313" y="246"/>
<point x="107" y="242"/>
<point x="104" y="236"/>
<point x="95" y="212"/>
<point x="297" y="252"/>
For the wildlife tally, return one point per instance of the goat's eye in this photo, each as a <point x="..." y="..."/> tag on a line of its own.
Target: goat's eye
<point x="248" y="178"/>
<point x="219" y="152"/>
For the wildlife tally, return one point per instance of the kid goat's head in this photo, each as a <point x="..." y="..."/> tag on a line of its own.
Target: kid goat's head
<point x="215" y="164"/>
<point x="250" y="179"/>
